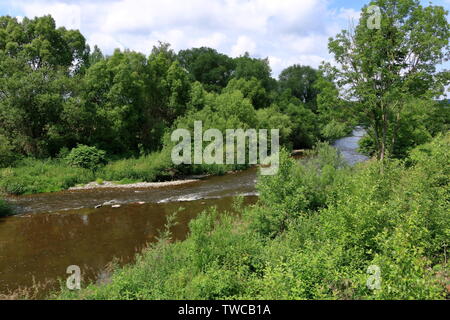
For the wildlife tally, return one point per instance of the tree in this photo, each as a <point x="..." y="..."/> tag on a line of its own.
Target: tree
<point x="129" y="100"/>
<point x="207" y="66"/>
<point x="248" y="68"/>
<point x="300" y="81"/>
<point x="96" y="56"/>
<point x="384" y="68"/>
<point x="303" y="121"/>
<point x="40" y="43"/>
<point x="37" y="65"/>
<point x="251" y="89"/>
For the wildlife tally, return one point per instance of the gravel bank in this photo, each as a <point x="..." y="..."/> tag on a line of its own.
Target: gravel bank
<point x="112" y="185"/>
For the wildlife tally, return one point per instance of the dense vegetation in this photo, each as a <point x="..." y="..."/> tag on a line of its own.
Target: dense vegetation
<point x="392" y="67"/>
<point x="56" y="95"/>
<point x="69" y="115"/>
<point x="318" y="227"/>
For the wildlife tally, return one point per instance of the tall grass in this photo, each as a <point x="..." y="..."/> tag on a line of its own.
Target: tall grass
<point x="32" y="176"/>
<point x="149" y="168"/>
<point x="37" y="176"/>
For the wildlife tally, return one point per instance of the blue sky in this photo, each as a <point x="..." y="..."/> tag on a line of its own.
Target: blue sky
<point x="285" y="31"/>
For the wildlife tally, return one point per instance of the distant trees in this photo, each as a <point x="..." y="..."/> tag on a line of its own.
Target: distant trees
<point x="56" y="93"/>
<point x="207" y="66"/>
<point x="384" y="69"/>
<point x="248" y="68"/>
<point x="300" y="81"/>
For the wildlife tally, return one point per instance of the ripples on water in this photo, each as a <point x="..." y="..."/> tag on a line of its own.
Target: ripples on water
<point x="349" y="147"/>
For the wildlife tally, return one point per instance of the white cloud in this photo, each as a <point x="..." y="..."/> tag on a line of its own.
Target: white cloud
<point x="215" y="40"/>
<point x="243" y="44"/>
<point x="288" y="31"/>
<point x="68" y="15"/>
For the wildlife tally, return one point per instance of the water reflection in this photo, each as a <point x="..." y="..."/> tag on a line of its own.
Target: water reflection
<point x="40" y="247"/>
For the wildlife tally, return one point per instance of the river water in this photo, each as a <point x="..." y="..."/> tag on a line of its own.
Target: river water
<point x="56" y="230"/>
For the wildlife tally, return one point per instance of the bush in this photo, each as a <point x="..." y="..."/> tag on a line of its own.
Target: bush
<point x="7" y="156"/>
<point x="298" y="188"/>
<point x="37" y="176"/>
<point x="367" y="146"/>
<point x="334" y="130"/>
<point x="149" y="168"/>
<point x="87" y="157"/>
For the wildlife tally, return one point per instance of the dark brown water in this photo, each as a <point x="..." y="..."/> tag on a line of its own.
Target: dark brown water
<point x="61" y="229"/>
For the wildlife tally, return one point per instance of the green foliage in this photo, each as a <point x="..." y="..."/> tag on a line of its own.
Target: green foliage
<point x="271" y="118"/>
<point x="7" y="154"/>
<point x="383" y="69"/>
<point x="38" y="176"/>
<point x="367" y="146"/>
<point x="334" y="130"/>
<point x="86" y="157"/>
<point x="149" y="168"/>
<point x="251" y="89"/>
<point x="38" y="68"/>
<point x="300" y="80"/>
<point x="304" y="122"/>
<point x="296" y="190"/>
<point x="229" y="110"/>
<point x="419" y="121"/>
<point x="208" y="67"/>
<point x="248" y="68"/>
<point x="386" y="214"/>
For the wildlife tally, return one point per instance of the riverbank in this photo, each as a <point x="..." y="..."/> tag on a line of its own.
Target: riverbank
<point x="32" y="176"/>
<point x="317" y="222"/>
<point x="137" y="185"/>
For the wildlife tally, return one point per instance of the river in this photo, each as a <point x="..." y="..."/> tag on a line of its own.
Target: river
<point x="55" y="230"/>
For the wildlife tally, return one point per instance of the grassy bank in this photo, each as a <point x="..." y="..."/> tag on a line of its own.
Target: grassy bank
<point x="313" y="235"/>
<point x="32" y="176"/>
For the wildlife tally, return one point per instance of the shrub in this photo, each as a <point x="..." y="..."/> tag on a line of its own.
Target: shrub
<point x="86" y="157"/>
<point x="296" y="189"/>
<point x="149" y="168"/>
<point x="367" y="146"/>
<point x="7" y="156"/>
<point x="334" y="130"/>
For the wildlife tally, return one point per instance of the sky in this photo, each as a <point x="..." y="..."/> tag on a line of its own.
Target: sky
<point x="286" y="31"/>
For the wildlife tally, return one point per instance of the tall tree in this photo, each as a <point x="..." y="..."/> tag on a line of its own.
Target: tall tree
<point x="207" y="66"/>
<point x="384" y="67"/>
<point x="251" y="89"/>
<point x="248" y="68"/>
<point x="300" y="80"/>
<point x="37" y="65"/>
